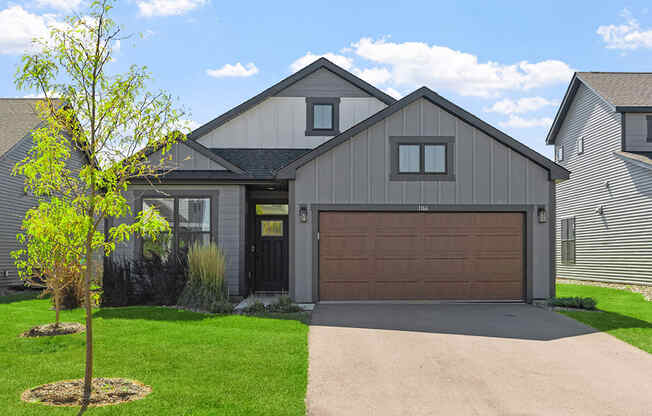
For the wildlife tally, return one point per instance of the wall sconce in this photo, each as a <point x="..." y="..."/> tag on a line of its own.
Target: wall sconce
<point x="303" y="213"/>
<point x="542" y="214"/>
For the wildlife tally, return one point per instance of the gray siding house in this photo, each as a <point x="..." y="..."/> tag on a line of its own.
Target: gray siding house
<point x="327" y="188"/>
<point x="18" y="117"/>
<point x="603" y="134"/>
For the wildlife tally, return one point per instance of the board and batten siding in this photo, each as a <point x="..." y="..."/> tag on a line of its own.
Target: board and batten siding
<point x="230" y="230"/>
<point x="14" y="204"/>
<point x="636" y="133"/>
<point x="183" y="158"/>
<point x="357" y="172"/>
<point x="617" y="245"/>
<point x="280" y="122"/>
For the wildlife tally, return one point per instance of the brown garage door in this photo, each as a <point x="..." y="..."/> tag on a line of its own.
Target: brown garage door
<point x="393" y="255"/>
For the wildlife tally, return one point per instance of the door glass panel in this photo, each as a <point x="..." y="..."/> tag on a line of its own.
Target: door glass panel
<point x="271" y="209"/>
<point x="435" y="158"/>
<point x="271" y="228"/>
<point x="408" y="158"/>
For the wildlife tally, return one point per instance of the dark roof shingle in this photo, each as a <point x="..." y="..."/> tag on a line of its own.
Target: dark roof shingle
<point x="621" y="89"/>
<point x="260" y="163"/>
<point x="18" y="116"/>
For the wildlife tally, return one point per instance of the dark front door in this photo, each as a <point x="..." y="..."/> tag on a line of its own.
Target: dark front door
<point x="271" y="253"/>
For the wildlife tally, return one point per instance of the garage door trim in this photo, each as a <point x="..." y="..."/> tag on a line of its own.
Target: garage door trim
<point x="528" y="210"/>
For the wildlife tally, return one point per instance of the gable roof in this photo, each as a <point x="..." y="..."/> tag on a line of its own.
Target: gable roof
<point x="18" y="116"/>
<point x="283" y="84"/>
<point x="259" y="163"/>
<point x="556" y="171"/>
<point x="621" y="91"/>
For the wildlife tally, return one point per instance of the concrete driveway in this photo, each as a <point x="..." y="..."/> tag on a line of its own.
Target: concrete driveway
<point x="469" y="359"/>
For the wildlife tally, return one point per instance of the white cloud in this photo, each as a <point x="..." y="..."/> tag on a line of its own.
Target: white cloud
<point x="416" y="63"/>
<point x="62" y="5"/>
<point x="20" y="28"/>
<point x="520" y="122"/>
<point x="391" y="91"/>
<point x="340" y="60"/>
<point x="628" y="36"/>
<point x="373" y="75"/>
<point x="237" y="70"/>
<point x="151" y="8"/>
<point x="520" y="106"/>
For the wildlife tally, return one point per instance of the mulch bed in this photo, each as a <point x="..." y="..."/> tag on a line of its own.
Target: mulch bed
<point x="49" y="330"/>
<point x="105" y="392"/>
<point x="644" y="290"/>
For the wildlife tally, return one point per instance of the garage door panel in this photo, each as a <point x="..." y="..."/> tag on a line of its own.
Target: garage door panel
<point x="456" y="256"/>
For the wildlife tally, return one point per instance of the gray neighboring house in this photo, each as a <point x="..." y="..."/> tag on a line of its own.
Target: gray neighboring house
<point x="327" y="188"/>
<point x="18" y="117"/>
<point x="603" y="134"/>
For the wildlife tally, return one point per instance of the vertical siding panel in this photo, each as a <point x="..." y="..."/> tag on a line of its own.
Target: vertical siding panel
<point x="482" y="168"/>
<point x="500" y="174"/>
<point x="325" y="177"/>
<point x="394" y="128"/>
<point x="360" y="173"/>
<point x="376" y="145"/>
<point x="341" y="173"/>
<point x="465" y="168"/>
<point x="517" y="176"/>
<point x="411" y="127"/>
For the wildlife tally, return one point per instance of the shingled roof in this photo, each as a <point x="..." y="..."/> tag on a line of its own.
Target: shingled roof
<point x="259" y="163"/>
<point x="18" y="117"/>
<point x="621" y="89"/>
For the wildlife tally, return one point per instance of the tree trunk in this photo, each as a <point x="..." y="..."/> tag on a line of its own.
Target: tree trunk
<point x="88" y="374"/>
<point x="57" y="307"/>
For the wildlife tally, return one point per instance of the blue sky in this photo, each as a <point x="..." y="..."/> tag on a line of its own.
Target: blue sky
<point x="509" y="64"/>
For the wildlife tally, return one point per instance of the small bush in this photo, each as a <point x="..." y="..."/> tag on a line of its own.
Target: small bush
<point x="206" y="288"/>
<point x="574" y="302"/>
<point x="255" y="307"/>
<point x="283" y="305"/>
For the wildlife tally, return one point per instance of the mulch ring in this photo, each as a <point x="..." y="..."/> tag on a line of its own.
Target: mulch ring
<point x="48" y="330"/>
<point x="105" y="392"/>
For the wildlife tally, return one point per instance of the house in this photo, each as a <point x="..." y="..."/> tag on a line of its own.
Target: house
<point x="327" y="188"/>
<point x="603" y="134"/>
<point x="18" y="117"/>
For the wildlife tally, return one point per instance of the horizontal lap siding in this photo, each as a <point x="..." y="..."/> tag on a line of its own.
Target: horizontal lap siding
<point x="615" y="246"/>
<point x="357" y="171"/>
<point x="14" y="204"/>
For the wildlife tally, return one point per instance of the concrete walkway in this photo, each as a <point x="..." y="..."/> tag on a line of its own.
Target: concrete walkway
<point x="469" y="359"/>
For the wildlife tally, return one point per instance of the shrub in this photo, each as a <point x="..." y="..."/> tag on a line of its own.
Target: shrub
<point x="574" y="302"/>
<point x="255" y="307"/>
<point x="283" y="305"/>
<point x="206" y="289"/>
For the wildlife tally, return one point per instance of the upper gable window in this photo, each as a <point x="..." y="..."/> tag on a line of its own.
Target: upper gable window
<point x="322" y="116"/>
<point x="422" y="158"/>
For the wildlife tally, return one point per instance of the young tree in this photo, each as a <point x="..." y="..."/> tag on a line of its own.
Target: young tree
<point x="111" y="118"/>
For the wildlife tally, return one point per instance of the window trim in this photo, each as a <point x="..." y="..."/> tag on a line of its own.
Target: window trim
<point x="559" y="150"/>
<point x="566" y="240"/>
<point x="213" y="197"/>
<point x="310" y="120"/>
<point x="580" y="145"/>
<point x="648" y="124"/>
<point x="422" y="141"/>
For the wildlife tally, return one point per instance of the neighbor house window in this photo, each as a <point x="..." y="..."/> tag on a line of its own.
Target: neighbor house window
<point x="322" y="116"/>
<point x="580" y="145"/>
<point x="648" y="120"/>
<point x="568" y="240"/>
<point x="189" y="219"/>
<point x="560" y="153"/>
<point x="422" y="158"/>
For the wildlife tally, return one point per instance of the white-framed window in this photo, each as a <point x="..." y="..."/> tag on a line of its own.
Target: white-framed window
<point x="559" y="153"/>
<point x="580" y="145"/>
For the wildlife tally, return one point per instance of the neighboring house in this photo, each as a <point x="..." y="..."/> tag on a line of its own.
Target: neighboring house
<point x="326" y="187"/>
<point x="603" y="134"/>
<point x="18" y="117"/>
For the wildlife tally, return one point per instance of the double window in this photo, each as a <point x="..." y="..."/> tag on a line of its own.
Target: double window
<point x="568" y="240"/>
<point x="422" y="158"/>
<point x="322" y="116"/>
<point x="189" y="219"/>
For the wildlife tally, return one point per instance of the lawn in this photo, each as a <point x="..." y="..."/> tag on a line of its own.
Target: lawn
<point x="625" y="315"/>
<point x="196" y="364"/>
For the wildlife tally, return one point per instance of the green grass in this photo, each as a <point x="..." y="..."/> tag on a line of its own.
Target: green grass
<point x="625" y="315"/>
<point x="196" y="364"/>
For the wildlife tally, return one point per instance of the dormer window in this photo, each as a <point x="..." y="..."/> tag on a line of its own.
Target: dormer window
<point x="322" y="116"/>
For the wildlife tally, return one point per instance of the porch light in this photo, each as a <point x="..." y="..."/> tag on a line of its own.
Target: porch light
<point x="542" y="214"/>
<point x="303" y="213"/>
